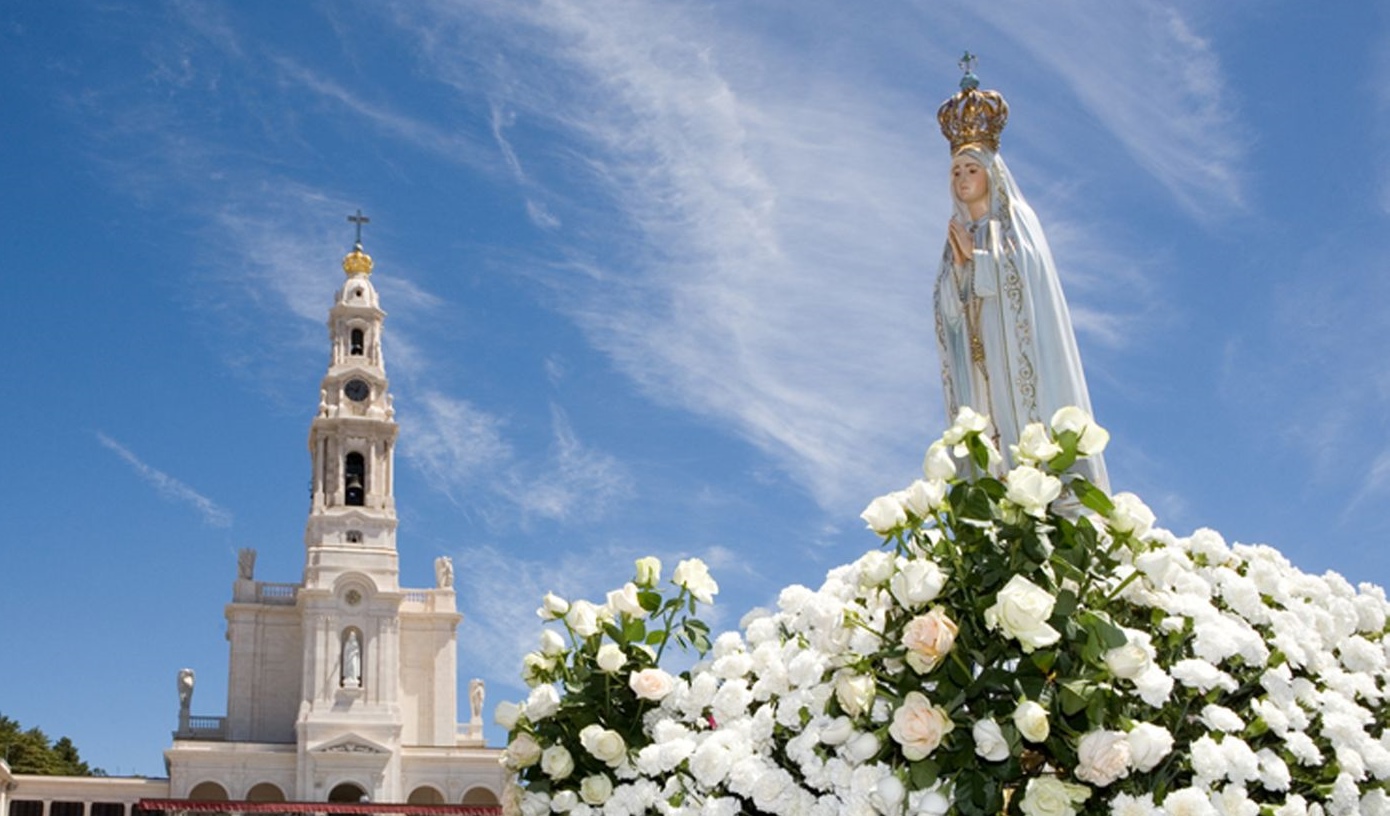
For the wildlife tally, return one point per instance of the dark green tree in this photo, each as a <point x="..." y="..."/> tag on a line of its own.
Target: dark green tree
<point x="31" y="752"/>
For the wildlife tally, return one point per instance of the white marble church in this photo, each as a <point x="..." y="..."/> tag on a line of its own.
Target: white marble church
<point x="342" y="688"/>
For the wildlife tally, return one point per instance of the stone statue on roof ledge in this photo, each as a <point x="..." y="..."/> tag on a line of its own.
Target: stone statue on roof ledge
<point x="1002" y="325"/>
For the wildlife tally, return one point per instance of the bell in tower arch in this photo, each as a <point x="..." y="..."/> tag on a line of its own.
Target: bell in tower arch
<point x="354" y="480"/>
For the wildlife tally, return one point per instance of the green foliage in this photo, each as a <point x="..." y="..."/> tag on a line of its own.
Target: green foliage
<point x="30" y="752"/>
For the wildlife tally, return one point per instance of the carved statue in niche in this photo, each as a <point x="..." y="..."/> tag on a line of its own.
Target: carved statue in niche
<point x="352" y="660"/>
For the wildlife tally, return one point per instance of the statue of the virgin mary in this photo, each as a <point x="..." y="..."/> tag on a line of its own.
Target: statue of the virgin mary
<point x="1002" y="325"/>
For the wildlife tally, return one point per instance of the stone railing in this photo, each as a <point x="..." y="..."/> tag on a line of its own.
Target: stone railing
<point x="276" y="594"/>
<point x="199" y="727"/>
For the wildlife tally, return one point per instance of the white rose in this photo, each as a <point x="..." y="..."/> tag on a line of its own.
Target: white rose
<point x="921" y="498"/>
<point x="1102" y="757"/>
<point x="651" y="684"/>
<point x="918" y="726"/>
<point x="553" y="607"/>
<point x="624" y="600"/>
<point x="989" y="741"/>
<point x="967" y="422"/>
<point x="918" y="582"/>
<point x="928" y="639"/>
<point x="884" y="515"/>
<point x="535" y="804"/>
<point x="522" y="752"/>
<point x="610" y="658"/>
<point x="1031" y="721"/>
<point x="564" y="801"/>
<point x="1132" y="659"/>
<point x="1148" y="745"/>
<point x="543" y="702"/>
<point x="1130" y="515"/>
<point x="938" y="463"/>
<point x="534" y="666"/>
<point x="862" y="747"/>
<point x="552" y="643"/>
<point x="605" y="745"/>
<point x="648" y="572"/>
<point x="888" y="795"/>
<point x="596" y="789"/>
<point x="1091" y="438"/>
<point x="1050" y="796"/>
<point x="1021" y="610"/>
<point x="1034" y="445"/>
<point x="694" y="576"/>
<point x="1032" y="490"/>
<point x="557" y="762"/>
<point x="875" y="567"/>
<point x="855" y="692"/>
<point x="582" y="617"/>
<point x="506" y="714"/>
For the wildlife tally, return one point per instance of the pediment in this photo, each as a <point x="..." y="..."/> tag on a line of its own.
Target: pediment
<point x="349" y="744"/>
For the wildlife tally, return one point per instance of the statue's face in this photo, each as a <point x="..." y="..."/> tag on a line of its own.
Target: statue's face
<point x="969" y="182"/>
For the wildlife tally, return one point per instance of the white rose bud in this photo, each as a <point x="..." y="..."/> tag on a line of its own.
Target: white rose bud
<point x="888" y="796"/>
<point x="921" y="498"/>
<point x="583" y="618"/>
<point x="884" y="515"/>
<point x="651" y="684"/>
<point x="551" y="642"/>
<point x="1132" y="659"/>
<point x="855" y="692"/>
<point x="938" y="464"/>
<point x="838" y="731"/>
<point x="1091" y="438"/>
<point x="553" y="607"/>
<point x="648" y="572"/>
<point x="1034" y="445"/>
<point x="506" y="714"/>
<point x="1130" y="515"/>
<point x="610" y="658"/>
<point x="990" y="744"/>
<point x="625" y="601"/>
<point x="1031" y="721"/>
<point x="862" y="747"/>
<point x="693" y="575"/>
<point x="556" y="762"/>
<point x="596" y="789"/>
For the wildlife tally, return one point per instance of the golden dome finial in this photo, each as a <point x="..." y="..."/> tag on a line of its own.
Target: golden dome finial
<point x="358" y="262"/>
<point x="973" y="116"/>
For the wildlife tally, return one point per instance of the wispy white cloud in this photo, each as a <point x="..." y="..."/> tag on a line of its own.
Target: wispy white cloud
<point x="170" y="488"/>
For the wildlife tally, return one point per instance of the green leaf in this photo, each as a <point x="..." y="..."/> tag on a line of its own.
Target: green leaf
<point x="1091" y="496"/>
<point x="976" y="504"/>
<point x="1065" y="605"/>
<point x="649" y="600"/>
<point x="1075" y="696"/>
<point x="923" y="773"/>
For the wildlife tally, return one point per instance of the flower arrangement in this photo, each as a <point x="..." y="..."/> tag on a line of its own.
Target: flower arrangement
<point x="1022" y="643"/>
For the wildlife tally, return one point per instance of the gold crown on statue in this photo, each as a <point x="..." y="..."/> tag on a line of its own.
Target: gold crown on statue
<point x="973" y="116"/>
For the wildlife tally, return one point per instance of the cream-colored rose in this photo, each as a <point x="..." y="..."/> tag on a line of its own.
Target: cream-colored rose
<point x="556" y="762"/>
<point x="610" y="658"/>
<point x="1050" y="796"/>
<point x="1148" y="745"/>
<point x="553" y="607"/>
<point x="1102" y="757"/>
<point x="552" y="643"/>
<point x="1132" y="659"/>
<point x="928" y="639"/>
<point x="603" y="744"/>
<point x="694" y="576"/>
<point x="648" y="572"/>
<point x="919" y="581"/>
<point x="918" y="726"/>
<point x="990" y="744"/>
<point x="855" y="692"/>
<point x="1031" y="721"/>
<point x="1032" y="490"/>
<point x="938" y="463"/>
<point x="884" y="515"/>
<point x="582" y="617"/>
<point x="1034" y="445"/>
<point x="564" y="801"/>
<point x="596" y="789"/>
<point x="1020" y="611"/>
<point x="522" y="752"/>
<point x="1091" y="437"/>
<point x="651" y="684"/>
<point x="624" y="600"/>
<point x="922" y="497"/>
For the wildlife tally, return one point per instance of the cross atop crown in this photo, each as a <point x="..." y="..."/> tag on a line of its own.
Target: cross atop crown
<point x="972" y="117"/>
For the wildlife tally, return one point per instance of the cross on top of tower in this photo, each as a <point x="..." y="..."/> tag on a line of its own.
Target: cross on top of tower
<point x="359" y="220"/>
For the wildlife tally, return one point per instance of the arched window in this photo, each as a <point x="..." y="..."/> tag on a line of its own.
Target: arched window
<point x="425" y="795"/>
<point x="355" y="480"/>
<point x="347" y="792"/>
<point x="355" y="343"/>
<point x="265" y="792"/>
<point x="208" y="792"/>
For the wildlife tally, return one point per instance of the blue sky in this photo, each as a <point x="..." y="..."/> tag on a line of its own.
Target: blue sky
<point x="659" y="281"/>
